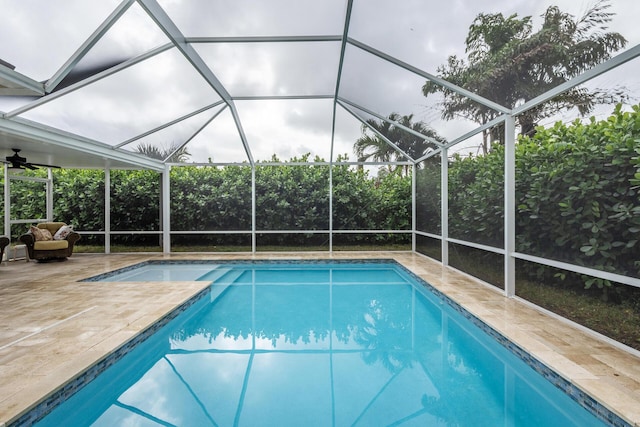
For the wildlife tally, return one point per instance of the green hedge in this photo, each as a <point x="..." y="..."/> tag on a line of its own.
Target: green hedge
<point x="219" y="198"/>
<point x="576" y="191"/>
<point x="577" y="194"/>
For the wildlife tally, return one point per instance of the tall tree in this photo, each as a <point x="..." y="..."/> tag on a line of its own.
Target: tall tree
<point x="508" y="63"/>
<point x="174" y="153"/>
<point x="371" y="147"/>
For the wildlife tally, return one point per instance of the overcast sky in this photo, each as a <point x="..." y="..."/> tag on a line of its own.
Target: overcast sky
<point x="39" y="36"/>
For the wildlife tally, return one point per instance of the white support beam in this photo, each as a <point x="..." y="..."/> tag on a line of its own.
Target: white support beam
<point x="51" y="84"/>
<point x="377" y="132"/>
<point x="261" y="164"/>
<point x="280" y="97"/>
<point x="13" y="83"/>
<point x="253" y="208"/>
<point x="509" y="206"/>
<point x="107" y="210"/>
<point x="31" y="130"/>
<point x="475" y="245"/>
<point x="429" y="154"/>
<point x="466" y="136"/>
<point x="200" y="129"/>
<point x="243" y="137"/>
<point x="477" y="130"/>
<point x="393" y="122"/>
<point x="160" y="17"/>
<point x="166" y="209"/>
<point x="266" y="39"/>
<point x="49" y="196"/>
<point x="7" y="203"/>
<point x="444" y="206"/>
<point x="592" y="73"/>
<point x="437" y="80"/>
<point x="88" y="81"/>
<point x="414" y="207"/>
<point x="343" y="49"/>
<point x="330" y="209"/>
<point x="167" y="124"/>
<point x="613" y="277"/>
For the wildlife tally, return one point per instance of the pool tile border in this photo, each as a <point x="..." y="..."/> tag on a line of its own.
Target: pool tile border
<point x="58" y="397"/>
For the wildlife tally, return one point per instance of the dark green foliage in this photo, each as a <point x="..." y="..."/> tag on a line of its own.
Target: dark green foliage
<point x="210" y="198"/>
<point x="292" y="197"/>
<point x="476" y="198"/>
<point x="393" y="211"/>
<point x="354" y="199"/>
<point x="576" y="191"/>
<point x="577" y="199"/>
<point x="360" y="203"/>
<point x="219" y="198"/>
<point x="23" y="204"/>
<point x="79" y="198"/>
<point x="135" y="205"/>
<point x="428" y="207"/>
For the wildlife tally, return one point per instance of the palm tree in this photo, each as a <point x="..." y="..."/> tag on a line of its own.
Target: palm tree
<point x="508" y="64"/>
<point x="172" y="154"/>
<point x="371" y="147"/>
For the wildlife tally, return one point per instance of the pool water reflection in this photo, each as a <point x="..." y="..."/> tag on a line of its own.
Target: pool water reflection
<point x="323" y="344"/>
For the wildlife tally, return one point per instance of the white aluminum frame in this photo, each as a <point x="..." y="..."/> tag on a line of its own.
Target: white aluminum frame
<point x="48" y="182"/>
<point x="12" y="124"/>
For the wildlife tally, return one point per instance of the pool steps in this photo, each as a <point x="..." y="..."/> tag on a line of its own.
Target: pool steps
<point x="221" y="278"/>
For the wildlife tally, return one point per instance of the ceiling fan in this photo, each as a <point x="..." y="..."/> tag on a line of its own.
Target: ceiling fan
<point x="17" y="163"/>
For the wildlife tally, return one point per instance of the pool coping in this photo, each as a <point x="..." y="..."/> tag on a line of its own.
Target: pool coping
<point x="41" y="409"/>
<point x="75" y="384"/>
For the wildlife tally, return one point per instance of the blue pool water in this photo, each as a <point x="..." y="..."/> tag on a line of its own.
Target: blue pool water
<point x="319" y="344"/>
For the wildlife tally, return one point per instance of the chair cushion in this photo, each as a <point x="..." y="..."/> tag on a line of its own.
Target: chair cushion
<point x="40" y="234"/>
<point x="51" y="226"/>
<point x="50" y="245"/>
<point x="63" y="232"/>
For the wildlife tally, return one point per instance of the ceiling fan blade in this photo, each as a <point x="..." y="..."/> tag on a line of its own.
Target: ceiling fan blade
<point x="41" y="165"/>
<point x="17" y="161"/>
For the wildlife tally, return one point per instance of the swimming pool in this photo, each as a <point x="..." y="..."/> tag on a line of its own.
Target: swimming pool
<point x="324" y="343"/>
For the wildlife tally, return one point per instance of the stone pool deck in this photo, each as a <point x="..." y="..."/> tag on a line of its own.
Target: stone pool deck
<point x="53" y="327"/>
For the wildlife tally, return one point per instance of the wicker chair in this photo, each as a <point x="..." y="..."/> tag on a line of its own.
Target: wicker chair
<point x="50" y="249"/>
